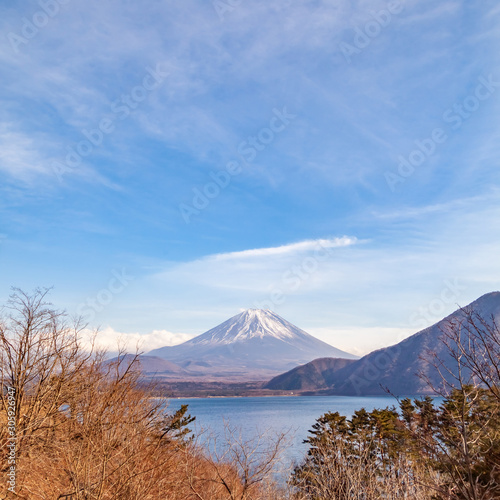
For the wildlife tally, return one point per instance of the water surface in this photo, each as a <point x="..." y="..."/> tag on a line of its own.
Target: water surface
<point x="254" y="415"/>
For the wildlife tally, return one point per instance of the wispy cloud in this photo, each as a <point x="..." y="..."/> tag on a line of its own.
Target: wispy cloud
<point x="323" y="177"/>
<point x="20" y="153"/>
<point x="253" y="271"/>
<point x="290" y="249"/>
<point x="460" y="204"/>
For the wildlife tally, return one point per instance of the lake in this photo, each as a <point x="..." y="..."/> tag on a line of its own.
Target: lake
<point x="254" y="415"/>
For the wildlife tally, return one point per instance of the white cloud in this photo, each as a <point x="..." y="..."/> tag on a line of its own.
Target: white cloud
<point x="267" y="55"/>
<point x="292" y="248"/>
<point x="110" y="339"/>
<point x="255" y="270"/>
<point x="19" y="153"/>
<point x="376" y="287"/>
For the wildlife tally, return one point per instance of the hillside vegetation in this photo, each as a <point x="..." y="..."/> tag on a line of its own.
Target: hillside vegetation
<point x="74" y="426"/>
<point x="78" y="427"/>
<point x="315" y="375"/>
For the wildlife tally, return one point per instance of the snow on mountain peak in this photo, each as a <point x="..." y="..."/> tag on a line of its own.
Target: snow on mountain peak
<point x="252" y="323"/>
<point x="254" y="339"/>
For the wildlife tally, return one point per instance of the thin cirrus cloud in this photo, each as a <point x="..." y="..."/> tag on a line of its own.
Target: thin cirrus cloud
<point x="253" y="271"/>
<point x="19" y="153"/>
<point x="324" y="175"/>
<point x="287" y="250"/>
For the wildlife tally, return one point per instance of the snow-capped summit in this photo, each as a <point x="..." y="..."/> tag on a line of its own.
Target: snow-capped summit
<point x="255" y="340"/>
<point x="252" y="323"/>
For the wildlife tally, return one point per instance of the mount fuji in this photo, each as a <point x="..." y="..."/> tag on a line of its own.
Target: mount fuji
<point x="252" y="345"/>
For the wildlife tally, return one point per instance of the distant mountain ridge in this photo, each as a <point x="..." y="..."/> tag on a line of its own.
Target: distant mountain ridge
<point x="255" y="344"/>
<point x="395" y="367"/>
<point x="317" y="374"/>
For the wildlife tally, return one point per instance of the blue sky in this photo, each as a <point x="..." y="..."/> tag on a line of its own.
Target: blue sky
<point x="164" y="165"/>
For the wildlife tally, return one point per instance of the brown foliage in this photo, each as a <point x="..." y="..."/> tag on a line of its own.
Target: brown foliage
<point x="87" y="429"/>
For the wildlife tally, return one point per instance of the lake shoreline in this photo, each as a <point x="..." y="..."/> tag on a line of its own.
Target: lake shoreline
<point x="176" y="389"/>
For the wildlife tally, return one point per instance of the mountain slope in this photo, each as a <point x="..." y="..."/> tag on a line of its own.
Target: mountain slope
<point x="252" y="344"/>
<point x="396" y="367"/>
<point x="312" y="376"/>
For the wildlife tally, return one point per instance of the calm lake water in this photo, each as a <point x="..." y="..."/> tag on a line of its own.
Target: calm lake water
<point x="253" y="416"/>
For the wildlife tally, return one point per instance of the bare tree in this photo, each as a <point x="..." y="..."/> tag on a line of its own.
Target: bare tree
<point x="39" y="355"/>
<point x="244" y="468"/>
<point x="474" y="343"/>
<point x="90" y="428"/>
<point x="469" y="374"/>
